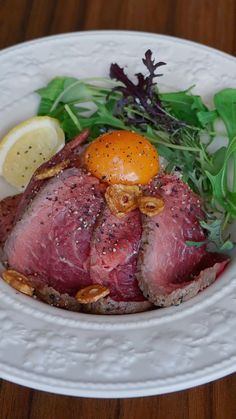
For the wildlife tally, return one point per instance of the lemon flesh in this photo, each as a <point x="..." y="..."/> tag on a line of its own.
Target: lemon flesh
<point x="27" y="146"/>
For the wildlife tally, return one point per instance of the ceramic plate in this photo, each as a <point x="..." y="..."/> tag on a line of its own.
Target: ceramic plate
<point x="110" y="356"/>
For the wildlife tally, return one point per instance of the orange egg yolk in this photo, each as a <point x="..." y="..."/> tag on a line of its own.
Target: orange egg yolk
<point x="122" y="157"/>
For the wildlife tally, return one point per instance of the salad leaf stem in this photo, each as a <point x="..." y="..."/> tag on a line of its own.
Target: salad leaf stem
<point x="73" y="117"/>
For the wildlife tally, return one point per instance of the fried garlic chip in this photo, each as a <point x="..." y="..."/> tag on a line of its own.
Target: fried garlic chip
<point x="122" y="199"/>
<point x="151" y="205"/>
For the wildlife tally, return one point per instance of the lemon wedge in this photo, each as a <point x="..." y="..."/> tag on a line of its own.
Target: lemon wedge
<point x="27" y="146"/>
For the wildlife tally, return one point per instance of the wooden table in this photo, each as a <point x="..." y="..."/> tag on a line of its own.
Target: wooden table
<point x="211" y="22"/>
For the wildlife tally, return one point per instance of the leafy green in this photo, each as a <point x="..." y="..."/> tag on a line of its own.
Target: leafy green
<point x="207" y="117"/>
<point x="45" y="106"/>
<point x="53" y="89"/>
<point x="219" y="179"/>
<point x="214" y="227"/>
<point x="195" y="244"/>
<point x="225" y="103"/>
<point x="189" y="108"/>
<point x="184" y="106"/>
<point x="174" y="122"/>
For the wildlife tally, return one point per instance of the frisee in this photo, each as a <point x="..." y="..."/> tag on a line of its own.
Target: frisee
<point x="174" y="122"/>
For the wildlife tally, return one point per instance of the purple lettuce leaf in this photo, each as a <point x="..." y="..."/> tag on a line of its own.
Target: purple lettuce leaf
<point x="140" y="103"/>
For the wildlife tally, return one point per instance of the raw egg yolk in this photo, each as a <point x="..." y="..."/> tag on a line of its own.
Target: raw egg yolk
<point x="122" y="157"/>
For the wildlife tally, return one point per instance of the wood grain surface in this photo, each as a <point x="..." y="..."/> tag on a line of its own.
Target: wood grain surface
<point x="212" y="22"/>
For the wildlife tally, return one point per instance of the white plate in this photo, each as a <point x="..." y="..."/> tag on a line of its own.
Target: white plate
<point x="109" y="356"/>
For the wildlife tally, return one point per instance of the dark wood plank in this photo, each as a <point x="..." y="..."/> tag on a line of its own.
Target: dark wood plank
<point x="207" y="21"/>
<point x="211" y="401"/>
<point x="15" y="401"/>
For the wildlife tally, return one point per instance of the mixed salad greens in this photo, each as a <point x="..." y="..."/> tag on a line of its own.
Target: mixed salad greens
<point x="179" y="124"/>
